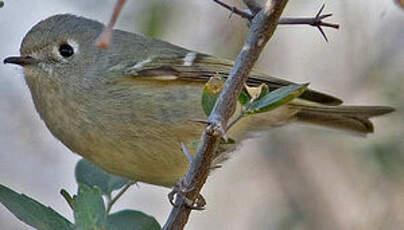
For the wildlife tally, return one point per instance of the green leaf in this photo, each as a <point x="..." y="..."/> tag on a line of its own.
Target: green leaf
<point x="210" y="93"/>
<point x="132" y="220"/>
<point x="276" y="98"/>
<point x="244" y="98"/>
<point x="32" y="212"/>
<point x="383" y="153"/>
<point x="92" y="175"/>
<point x="208" y="101"/>
<point x="89" y="209"/>
<point x="1" y="4"/>
<point x="155" y="20"/>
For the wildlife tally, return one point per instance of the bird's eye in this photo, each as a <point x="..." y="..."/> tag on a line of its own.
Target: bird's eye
<point x="66" y="50"/>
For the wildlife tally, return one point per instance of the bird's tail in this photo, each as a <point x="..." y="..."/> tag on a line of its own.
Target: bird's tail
<point x="351" y="118"/>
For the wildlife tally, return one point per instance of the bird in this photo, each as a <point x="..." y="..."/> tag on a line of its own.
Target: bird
<point x="129" y="108"/>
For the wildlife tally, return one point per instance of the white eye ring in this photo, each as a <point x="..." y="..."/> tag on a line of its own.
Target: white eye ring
<point x="66" y="49"/>
<point x="74" y="45"/>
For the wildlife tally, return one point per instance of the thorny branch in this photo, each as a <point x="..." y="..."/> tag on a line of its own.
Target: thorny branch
<point x="316" y="21"/>
<point x="261" y="30"/>
<point x="264" y="21"/>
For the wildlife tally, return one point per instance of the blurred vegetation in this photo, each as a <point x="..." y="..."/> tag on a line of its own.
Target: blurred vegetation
<point x="389" y="157"/>
<point x="298" y="177"/>
<point x="156" y="19"/>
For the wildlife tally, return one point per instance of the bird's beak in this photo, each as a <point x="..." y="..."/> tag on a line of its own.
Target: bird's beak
<point x="22" y="60"/>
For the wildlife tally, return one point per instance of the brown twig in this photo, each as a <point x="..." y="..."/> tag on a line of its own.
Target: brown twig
<point x="104" y="40"/>
<point x="316" y="21"/>
<point x="261" y="30"/>
<point x="235" y="10"/>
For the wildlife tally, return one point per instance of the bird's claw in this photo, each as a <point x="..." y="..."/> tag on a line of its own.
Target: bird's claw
<point x="180" y="190"/>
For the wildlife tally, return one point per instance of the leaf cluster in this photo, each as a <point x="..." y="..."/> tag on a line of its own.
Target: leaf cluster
<point x="90" y="211"/>
<point x="253" y="100"/>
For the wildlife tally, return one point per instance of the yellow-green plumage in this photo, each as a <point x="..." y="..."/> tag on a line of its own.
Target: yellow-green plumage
<point x="129" y="108"/>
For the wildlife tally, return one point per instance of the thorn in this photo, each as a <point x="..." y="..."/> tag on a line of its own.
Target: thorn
<point x="322" y="33"/>
<point x="186" y="152"/>
<point x="205" y="122"/>
<point x="321" y="17"/>
<point x="215" y="167"/>
<point x="318" y="22"/>
<point x="320" y="11"/>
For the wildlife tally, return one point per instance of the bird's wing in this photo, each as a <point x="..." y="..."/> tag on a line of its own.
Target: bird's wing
<point x="199" y="67"/>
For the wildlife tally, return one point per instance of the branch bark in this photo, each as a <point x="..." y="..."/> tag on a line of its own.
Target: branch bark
<point x="262" y="28"/>
<point x="316" y="21"/>
<point x="253" y="6"/>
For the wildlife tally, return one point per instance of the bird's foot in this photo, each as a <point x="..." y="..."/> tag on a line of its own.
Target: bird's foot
<point x="181" y="190"/>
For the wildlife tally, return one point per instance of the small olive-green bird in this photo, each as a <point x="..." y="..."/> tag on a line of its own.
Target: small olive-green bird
<point x="128" y="108"/>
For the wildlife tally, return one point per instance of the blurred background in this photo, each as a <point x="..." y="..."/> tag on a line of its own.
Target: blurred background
<point x="293" y="177"/>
